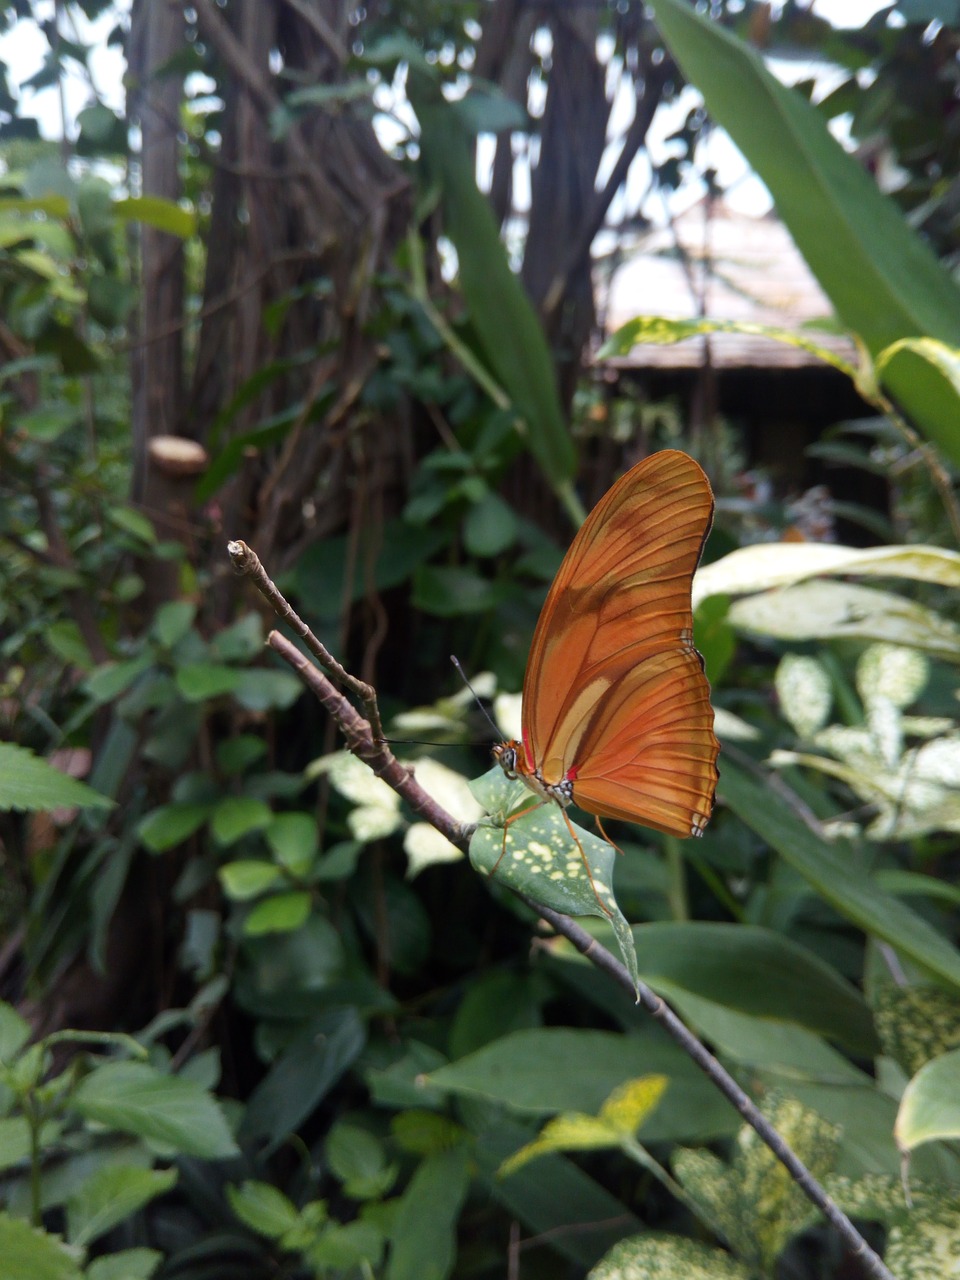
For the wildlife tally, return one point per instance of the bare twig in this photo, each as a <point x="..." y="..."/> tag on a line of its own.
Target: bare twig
<point x="247" y="562"/>
<point x="368" y="745"/>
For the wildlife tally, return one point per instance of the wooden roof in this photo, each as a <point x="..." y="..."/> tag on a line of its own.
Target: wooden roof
<point x="723" y="265"/>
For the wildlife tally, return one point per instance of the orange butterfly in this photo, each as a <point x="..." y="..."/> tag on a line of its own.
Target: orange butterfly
<point x="616" y="713"/>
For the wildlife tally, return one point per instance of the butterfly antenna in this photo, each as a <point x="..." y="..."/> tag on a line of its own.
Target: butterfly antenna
<point x="483" y="710"/>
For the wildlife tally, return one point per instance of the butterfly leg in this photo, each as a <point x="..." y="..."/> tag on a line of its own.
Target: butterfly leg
<point x="586" y="864"/>
<point x="506" y="827"/>
<point x="605" y="836"/>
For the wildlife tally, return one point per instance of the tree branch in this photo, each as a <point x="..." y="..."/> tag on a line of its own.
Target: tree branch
<point x="370" y="747"/>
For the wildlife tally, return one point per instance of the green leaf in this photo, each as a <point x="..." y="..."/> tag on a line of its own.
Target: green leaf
<point x="48" y="422"/>
<point x="29" y="784"/>
<point x="172" y="622"/>
<point x="661" y="330"/>
<point x="757" y="971"/>
<point x="111" y="1194"/>
<point x="825" y="610"/>
<point x="171" y="824"/>
<point x="549" y="1070"/>
<point x="930" y="1106"/>
<point x="666" y="1257"/>
<point x="67" y="642"/>
<point x="619" y="1119"/>
<point x="16" y="1141"/>
<point x="128" y="1264"/>
<point x="260" y="690"/>
<point x="165" y="215"/>
<point x="538" y="856"/>
<point x="167" y="1111"/>
<point x="263" y="1208"/>
<point x="424" y="1233"/>
<point x="490" y="526"/>
<point x="303" y="1075"/>
<point x="294" y="841"/>
<point x="833" y="871"/>
<point x="238" y="816"/>
<point x="201" y="680"/>
<point x="882" y="278"/>
<point x="280" y="913"/>
<point x="553" y="1198"/>
<point x="357" y="1158"/>
<point x="451" y="592"/>
<point x="111" y="679"/>
<point x="28" y="1251"/>
<point x="248" y="878"/>
<point x="234" y="755"/>
<point x="14" y="1032"/>
<point x="506" y="324"/>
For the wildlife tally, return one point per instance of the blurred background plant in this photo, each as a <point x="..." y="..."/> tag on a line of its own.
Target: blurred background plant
<point x="264" y="296"/>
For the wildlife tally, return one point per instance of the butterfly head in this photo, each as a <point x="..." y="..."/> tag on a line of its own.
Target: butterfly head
<point x="508" y="756"/>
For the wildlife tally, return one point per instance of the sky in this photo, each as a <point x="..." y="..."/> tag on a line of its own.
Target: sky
<point x="23" y="50"/>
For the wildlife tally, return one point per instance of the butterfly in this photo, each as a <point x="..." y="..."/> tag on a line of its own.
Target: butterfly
<point x="616" y="715"/>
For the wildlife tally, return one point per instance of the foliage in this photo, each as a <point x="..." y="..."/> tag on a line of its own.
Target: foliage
<point x="332" y="1049"/>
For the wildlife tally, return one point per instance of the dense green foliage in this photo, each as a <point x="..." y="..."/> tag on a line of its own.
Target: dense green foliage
<point x="263" y="1020"/>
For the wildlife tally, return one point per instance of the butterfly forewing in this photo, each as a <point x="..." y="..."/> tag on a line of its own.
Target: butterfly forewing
<point x="614" y="693"/>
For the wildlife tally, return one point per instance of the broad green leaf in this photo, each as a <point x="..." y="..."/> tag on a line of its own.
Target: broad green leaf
<point x="506" y="325"/>
<point x="825" y="610"/>
<point x="538" y="855"/>
<point x="449" y="592"/>
<point x="779" y="564"/>
<point x="756" y="971"/>
<point x="238" y="816"/>
<point x="259" y="689"/>
<point x="548" y="1070"/>
<point x="619" y="1118"/>
<point x="424" y="1133"/>
<point x="804" y="692"/>
<point x="65" y="639"/>
<point x="248" y="878"/>
<point x="301" y="1077"/>
<point x="892" y="673"/>
<point x="14" y="1032"/>
<point x="29" y="1251"/>
<point x="165" y="215"/>
<point x="917" y="1024"/>
<point x="658" y="1256"/>
<point x="294" y="841"/>
<point x="15" y="1141"/>
<point x="111" y="1194"/>
<point x="357" y="1158"/>
<point x="882" y="278"/>
<point x="30" y="784"/>
<point x="201" y="680"/>
<point x="490" y="526"/>
<point x="832" y="870"/>
<point x="172" y="622"/>
<point x="553" y="1198"/>
<point x="171" y="824"/>
<point x="128" y="1264"/>
<point x="425" y="1230"/>
<point x="168" y="1111"/>
<point x="661" y="330"/>
<point x="263" y="1208"/>
<point x="930" y="1106"/>
<point x="111" y="679"/>
<point x="49" y="421"/>
<point x="279" y="913"/>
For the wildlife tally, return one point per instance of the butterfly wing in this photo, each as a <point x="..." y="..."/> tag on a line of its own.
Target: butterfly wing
<point x="614" y="693"/>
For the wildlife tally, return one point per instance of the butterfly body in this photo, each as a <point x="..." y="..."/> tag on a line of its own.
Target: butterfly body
<point x="616" y="707"/>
